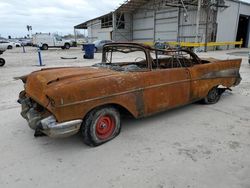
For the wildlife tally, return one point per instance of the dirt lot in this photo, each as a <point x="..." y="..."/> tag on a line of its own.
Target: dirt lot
<point x="193" y="146"/>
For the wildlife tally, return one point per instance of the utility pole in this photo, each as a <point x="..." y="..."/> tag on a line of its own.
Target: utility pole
<point x="207" y="19"/>
<point x="198" y="21"/>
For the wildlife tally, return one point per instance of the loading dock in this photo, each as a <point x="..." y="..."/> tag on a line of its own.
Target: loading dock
<point x="243" y="30"/>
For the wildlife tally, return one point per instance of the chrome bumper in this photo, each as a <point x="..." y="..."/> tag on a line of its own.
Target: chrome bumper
<point x="50" y="127"/>
<point x="47" y="125"/>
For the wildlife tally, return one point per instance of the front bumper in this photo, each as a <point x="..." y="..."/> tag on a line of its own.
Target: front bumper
<point x="50" y="127"/>
<point x="46" y="123"/>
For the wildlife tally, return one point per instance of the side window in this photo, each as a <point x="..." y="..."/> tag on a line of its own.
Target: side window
<point x="58" y="38"/>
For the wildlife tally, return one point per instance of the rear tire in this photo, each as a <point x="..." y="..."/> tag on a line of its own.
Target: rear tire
<point x="100" y="126"/>
<point x="95" y="50"/>
<point x="2" y="62"/>
<point x="45" y="47"/>
<point x="9" y="47"/>
<point x="213" y="96"/>
<point x="67" y="46"/>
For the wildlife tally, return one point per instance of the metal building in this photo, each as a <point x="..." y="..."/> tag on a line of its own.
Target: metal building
<point x="173" y="20"/>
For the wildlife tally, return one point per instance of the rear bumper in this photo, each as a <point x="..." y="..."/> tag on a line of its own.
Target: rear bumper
<point x="238" y="80"/>
<point x="48" y="125"/>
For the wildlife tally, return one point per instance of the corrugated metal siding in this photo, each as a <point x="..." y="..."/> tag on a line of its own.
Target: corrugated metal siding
<point x="161" y="24"/>
<point x="124" y="34"/>
<point x="95" y="32"/>
<point x="227" y="28"/>
<point x="166" y="24"/>
<point x="188" y="26"/>
<point x="143" y="26"/>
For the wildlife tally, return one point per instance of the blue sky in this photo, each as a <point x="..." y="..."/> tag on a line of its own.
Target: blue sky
<point x="50" y="15"/>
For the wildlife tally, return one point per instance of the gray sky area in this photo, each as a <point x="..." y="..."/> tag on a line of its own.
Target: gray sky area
<point x="50" y="15"/>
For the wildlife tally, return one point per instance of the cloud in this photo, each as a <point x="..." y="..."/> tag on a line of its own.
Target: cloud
<point x="49" y="15"/>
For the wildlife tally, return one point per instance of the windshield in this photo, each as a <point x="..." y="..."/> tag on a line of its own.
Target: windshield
<point x="124" y="58"/>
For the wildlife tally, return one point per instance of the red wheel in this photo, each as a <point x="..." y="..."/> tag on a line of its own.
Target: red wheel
<point x="101" y="125"/>
<point x="105" y="127"/>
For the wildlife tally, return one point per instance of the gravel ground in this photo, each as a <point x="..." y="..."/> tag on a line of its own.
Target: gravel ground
<point x="193" y="146"/>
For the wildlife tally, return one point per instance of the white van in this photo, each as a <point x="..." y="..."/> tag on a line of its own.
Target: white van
<point x="47" y="40"/>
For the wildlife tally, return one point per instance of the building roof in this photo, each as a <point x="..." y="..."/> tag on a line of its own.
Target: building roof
<point x="84" y="24"/>
<point x="240" y="1"/>
<point x="132" y="5"/>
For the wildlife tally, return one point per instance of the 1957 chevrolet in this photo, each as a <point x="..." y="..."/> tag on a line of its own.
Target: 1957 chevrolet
<point x="131" y="79"/>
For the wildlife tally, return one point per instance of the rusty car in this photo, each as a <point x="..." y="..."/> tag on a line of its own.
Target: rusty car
<point x="132" y="79"/>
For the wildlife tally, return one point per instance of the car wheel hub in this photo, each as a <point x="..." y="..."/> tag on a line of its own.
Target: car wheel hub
<point x="105" y="127"/>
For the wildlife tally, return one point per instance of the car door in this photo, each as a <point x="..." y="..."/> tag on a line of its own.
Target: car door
<point x="165" y="89"/>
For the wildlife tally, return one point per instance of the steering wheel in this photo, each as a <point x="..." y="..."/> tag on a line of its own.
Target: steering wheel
<point x="142" y="59"/>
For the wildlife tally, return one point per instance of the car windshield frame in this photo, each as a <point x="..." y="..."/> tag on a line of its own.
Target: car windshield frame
<point x="112" y="47"/>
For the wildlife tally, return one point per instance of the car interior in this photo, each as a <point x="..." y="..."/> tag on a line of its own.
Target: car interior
<point x="138" y="62"/>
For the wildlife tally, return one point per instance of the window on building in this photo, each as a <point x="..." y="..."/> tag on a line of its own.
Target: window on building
<point x="120" y="21"/>
<point x="107" y="21"/>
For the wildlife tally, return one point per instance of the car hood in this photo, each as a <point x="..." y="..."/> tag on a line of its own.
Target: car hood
<point x="52" y="76"/>
<point x="40" y="82"/>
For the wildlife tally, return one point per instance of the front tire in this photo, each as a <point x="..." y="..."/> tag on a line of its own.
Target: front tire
<point x="9" y="47"/>
<point x="95" y="50"/>
<point x="101" y="125"/>
<point x="213" y="96"/>
<point x="2" y="62"/>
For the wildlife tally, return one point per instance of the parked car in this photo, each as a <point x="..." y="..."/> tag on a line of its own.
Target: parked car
<point x="18" y="44"/>
<point x="46" y="40"/>
<point x="100" y="43"/>
<point x="7" y="44"/>
<point x="2" y="61"/>
<point x="131" y="79"/>
<point x="3" y="46"/>
<point x="15" y="43"/>
<point x="25" y="42"/>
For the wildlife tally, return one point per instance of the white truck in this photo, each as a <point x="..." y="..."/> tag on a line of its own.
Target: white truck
<point x="47" y="40"/>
